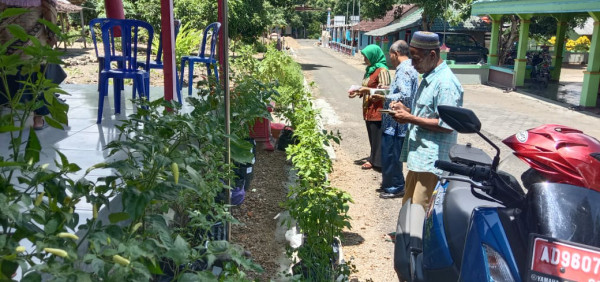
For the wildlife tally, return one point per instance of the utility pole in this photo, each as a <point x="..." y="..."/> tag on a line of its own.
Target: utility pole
<point x="224" y="64"/>
<point x="347" y="9"/>
<point x="352" y="23"/>
<point x="359" y="35"/>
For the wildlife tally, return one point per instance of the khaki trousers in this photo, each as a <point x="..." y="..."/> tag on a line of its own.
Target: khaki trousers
<point x="419" y="186"/>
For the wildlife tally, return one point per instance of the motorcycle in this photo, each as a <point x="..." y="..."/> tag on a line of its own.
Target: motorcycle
<point x="481" y="225"/>
<point x="540" y="67"/>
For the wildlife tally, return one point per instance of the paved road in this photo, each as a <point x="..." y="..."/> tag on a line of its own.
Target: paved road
<point x="502" y="115"/>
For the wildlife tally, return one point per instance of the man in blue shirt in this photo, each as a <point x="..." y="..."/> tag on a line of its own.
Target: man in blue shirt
<point x="429" y="138"/>
<point x="403" y="89"/>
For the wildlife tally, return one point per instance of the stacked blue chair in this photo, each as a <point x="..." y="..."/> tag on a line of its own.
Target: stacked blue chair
<point x="158" y="63"/>
<point x="100" y="22"/>
<point x="208" y="60"/>
<point x="127" y="66"/>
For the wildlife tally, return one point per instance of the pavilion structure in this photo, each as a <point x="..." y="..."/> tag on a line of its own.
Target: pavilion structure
<point x="562" y="10"/>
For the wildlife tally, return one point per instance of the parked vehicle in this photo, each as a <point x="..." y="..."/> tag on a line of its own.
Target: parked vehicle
<point x="481" y="225"/>
<point x="511" y="55"/>
<point x="463" y="47"/>
<point x="540" y="67"/>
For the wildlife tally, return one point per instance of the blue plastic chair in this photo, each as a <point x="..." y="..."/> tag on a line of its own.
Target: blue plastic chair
<point x="93" y="24"/>
<point x="127" y="67"/>
<point x="157" y="63"/>
<point x="201" y="58"/>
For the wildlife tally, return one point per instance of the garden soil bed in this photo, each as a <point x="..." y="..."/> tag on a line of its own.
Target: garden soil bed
<point x="258" y="214"/>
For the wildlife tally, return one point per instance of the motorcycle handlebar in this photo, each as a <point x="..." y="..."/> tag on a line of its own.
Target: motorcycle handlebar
<point x="477" y="173"/>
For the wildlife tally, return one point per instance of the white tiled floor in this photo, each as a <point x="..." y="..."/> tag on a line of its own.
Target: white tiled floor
<point x="83" y="141"/>
<point x="82" y="133"/>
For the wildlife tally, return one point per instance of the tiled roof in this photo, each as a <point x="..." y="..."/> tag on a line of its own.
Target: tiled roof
<point x="64" y="6"/>
<point x="368" y="25"/>
<point x="407" y="21"/>
<point x="414" y="19"/>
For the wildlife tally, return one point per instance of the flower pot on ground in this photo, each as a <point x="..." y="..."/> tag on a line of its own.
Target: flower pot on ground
<point x="276" y="129"/>
<point x="576" y="57"/>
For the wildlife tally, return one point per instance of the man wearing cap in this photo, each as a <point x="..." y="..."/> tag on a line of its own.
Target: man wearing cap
<point x="403" y="88"/>
<point x="429" y="138"/>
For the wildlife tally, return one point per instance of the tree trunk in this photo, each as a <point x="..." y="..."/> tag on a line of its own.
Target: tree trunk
<point x="424" y="23"/>
<point x="507" y="41"/>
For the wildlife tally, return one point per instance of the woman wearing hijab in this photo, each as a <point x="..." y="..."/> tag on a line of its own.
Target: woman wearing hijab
<point x="38" y="9"/>
<point x="376" y="76"/>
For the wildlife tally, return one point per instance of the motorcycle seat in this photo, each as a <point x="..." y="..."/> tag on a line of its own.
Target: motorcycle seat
<point x="466" y="154"/>
<point x="459" y="203"/>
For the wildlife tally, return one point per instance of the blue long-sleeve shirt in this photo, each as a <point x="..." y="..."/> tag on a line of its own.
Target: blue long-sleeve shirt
<point x="403" y="89"/>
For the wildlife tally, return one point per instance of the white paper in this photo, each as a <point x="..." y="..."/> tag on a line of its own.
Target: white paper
<point x="379" y="91"/>
<point x="353" y="88"/>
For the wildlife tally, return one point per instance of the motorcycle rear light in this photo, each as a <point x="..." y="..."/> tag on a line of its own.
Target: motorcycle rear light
<point x="497" y="267"/>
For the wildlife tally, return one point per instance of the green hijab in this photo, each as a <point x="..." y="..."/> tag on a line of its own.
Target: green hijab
<point x="376" y="59"/>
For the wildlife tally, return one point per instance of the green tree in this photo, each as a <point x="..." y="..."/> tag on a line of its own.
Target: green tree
<point x="248" y="19"/>
<point x="453" y="11"/>
<point x="276" y="15"/>
<point x="544" y="27"/>
<point x="373" y="9"/>
<point x="540" y="29"/>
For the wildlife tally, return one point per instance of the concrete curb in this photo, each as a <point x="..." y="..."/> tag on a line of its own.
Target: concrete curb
<point x="322" y="106"/>
<point x="551" y="103"/>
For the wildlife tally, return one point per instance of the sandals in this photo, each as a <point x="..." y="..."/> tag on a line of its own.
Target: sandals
<point x="367" y="165"/>
<point x="44" y="125"/>
<point x="361" y="161"/>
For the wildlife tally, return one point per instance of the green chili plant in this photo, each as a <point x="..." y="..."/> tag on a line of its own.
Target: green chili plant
<point x="321" y="211"/>
<point x="172" y="188"/>
<point x="167" y="158"/>
<point x="36" y="204"/>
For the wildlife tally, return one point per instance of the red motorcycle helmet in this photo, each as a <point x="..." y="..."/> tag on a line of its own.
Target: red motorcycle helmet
<point x="560" y="154"/>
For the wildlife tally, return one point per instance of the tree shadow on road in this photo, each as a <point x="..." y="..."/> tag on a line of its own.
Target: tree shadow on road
<point x="351" y="239"/>
<point x="307" y="67"/>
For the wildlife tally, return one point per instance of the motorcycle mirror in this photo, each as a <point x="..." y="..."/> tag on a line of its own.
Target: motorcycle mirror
<point x="460" y="119"/>
<point x="465" y="121"/>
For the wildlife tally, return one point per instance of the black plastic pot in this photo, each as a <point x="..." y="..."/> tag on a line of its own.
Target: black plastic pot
<point x="245" y="172"/>
<point x="286" y="138"/>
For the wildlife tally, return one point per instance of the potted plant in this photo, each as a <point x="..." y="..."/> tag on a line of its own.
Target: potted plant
<point x="577" y="51"/>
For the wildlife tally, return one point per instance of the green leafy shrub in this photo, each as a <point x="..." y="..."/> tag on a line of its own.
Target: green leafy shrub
<point x="260" y="47"/>
<point x="188" y="42"/>
<point x="321" y="211"/>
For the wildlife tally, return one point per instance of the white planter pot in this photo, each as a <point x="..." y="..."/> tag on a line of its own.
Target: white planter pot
<point x="576" y="57"/>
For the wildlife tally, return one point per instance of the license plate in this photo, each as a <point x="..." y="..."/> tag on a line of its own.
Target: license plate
<point x="552" y="260"/>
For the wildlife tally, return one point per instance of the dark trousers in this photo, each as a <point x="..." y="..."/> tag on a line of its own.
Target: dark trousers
<point x="374" y="132"/>
<point x="53" y="72"/>
<point x="391" y="171"/>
